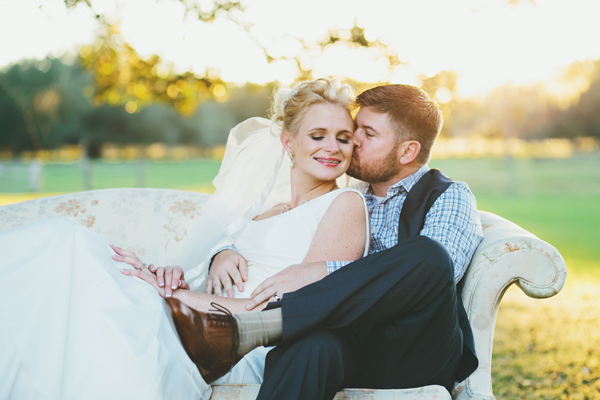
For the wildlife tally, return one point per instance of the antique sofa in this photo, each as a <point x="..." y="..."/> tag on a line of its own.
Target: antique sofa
<point x="155" y="223"/>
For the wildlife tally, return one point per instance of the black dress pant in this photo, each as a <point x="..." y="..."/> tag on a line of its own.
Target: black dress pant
<point x="388" y="320"/>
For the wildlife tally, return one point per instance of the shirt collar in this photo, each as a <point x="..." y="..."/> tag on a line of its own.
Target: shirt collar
<point x="405" y="185"/>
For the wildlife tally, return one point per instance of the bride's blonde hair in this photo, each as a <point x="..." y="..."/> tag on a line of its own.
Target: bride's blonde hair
<point x="291" y="104"/>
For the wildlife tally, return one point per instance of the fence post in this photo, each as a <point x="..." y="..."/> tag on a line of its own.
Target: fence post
<point x="140" y="176"/>
<point x="35" y="175"/>
<point x="86" y="165"/>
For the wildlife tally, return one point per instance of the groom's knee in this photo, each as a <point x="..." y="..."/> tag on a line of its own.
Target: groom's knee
<point x="434" y="252"/>
<point x="427" y="255"/>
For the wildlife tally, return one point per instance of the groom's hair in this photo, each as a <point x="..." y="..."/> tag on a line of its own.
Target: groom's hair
<point x="413" y="115"/>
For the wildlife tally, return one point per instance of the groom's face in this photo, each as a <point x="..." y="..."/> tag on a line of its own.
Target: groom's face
<point x="375" y="157"/>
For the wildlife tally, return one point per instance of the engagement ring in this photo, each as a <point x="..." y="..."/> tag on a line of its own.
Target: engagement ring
<point x="144" y="265"/>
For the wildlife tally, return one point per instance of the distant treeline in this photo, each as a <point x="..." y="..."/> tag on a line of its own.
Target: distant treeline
<point x="47" y="104"/>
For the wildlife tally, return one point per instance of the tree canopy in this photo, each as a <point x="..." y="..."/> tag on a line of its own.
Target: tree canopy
<point x="122" y="77"/>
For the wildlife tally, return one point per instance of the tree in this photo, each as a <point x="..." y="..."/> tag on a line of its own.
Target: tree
<point x="122" y="77"/>
<point x="41" y="103"/>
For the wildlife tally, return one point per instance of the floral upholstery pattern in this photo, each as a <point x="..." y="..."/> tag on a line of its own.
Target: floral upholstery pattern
<point x="155" y="224"/>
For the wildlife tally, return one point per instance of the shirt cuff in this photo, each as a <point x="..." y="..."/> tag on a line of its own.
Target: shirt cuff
<point x="333" y="266"/>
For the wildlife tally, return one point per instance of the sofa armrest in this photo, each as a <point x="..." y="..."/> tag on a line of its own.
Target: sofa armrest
<point x="508" y="254"/>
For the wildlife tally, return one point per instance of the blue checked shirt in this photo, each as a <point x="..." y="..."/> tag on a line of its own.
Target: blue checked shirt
<point x="453" y="220"/>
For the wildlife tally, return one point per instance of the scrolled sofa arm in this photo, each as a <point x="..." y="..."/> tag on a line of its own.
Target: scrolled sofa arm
<point x="508" y="254"/>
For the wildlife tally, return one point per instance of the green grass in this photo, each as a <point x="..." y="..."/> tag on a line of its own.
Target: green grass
<point x="548" y="349"/>
<point x="68" y="177"/>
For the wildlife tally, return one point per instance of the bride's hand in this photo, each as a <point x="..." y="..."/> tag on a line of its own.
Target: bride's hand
<point x="173" y="276"/>
<point x="169" y="277"/>
<point x="147" y="276"/>
<point x="127" y="257"/>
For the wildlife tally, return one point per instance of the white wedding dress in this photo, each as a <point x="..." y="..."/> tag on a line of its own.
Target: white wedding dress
<point x="73" y="327"/>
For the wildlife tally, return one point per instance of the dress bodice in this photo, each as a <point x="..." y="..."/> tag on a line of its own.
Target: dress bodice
<point x="272" y="244"/>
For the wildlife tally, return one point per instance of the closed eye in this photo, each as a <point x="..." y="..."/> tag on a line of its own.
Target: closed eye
<point x="317" y="137"/>
<point x="344" y="141"/>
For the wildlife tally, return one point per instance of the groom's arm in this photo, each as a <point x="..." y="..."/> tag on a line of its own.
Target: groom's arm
<point x="453" y="220"/>
<point x="333" y="266"/>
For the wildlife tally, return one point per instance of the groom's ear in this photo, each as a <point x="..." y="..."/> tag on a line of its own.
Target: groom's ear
<point x="286" y="141"/>
<point x="408" y="151"/>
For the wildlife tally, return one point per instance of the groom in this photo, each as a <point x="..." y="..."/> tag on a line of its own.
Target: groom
<point x="392" y="319"/>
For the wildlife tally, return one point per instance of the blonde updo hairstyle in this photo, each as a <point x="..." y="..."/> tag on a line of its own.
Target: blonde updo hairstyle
<point x="291" y="104"/>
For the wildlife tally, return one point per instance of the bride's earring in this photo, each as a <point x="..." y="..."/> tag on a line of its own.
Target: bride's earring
<point x="291" y="159"/>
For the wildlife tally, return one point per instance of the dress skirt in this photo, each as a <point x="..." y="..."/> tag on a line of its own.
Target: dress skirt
<point x="73" y="327"/>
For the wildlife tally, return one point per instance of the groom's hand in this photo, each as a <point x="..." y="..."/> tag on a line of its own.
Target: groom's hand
<point x="290" y="279"/>
<point x="227" y="267"/>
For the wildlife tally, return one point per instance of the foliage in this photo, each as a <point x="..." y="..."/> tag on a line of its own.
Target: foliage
<point x="45" y="104"/>
<point x="567" y="107"/>
<point x="122" y="77"/>
<point x="442" y="88"/>
<point x="353" y="38"/>
<point x="583" y="118"/>
<point x="41" y="104"/>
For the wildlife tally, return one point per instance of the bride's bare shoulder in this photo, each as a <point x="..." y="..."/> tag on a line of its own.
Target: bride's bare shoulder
<point x="347" y="209"/>
<point x="349" y="199"/>
<point x="342" y="233"/>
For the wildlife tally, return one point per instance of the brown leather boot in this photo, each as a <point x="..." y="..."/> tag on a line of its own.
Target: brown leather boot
<point x="210" y="340"/>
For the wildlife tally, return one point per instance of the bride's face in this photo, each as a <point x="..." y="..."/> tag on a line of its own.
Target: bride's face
<point x="323" y="145"/>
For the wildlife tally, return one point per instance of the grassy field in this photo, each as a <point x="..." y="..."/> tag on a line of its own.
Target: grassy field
<point x="543" y="349"/>
<point x="68" y="177"/>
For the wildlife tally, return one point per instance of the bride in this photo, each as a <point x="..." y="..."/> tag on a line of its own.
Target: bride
<point x="73" y="326"/>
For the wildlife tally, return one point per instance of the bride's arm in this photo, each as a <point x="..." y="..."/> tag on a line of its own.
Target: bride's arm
<point x="195" y="300"/>
<point x="341" y="235"/>
<point x="202" y="301"/>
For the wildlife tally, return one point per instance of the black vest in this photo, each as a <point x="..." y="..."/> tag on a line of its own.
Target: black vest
<point x="412" y="219"/>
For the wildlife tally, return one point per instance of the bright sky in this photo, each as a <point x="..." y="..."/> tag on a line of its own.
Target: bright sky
<point x="486" y="42"/>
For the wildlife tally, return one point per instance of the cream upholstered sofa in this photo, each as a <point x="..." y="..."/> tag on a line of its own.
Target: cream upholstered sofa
<point x="155" y="223"/>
